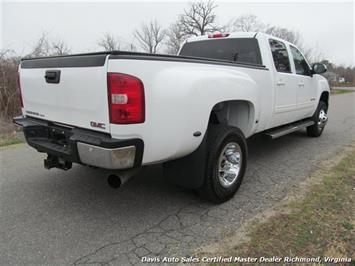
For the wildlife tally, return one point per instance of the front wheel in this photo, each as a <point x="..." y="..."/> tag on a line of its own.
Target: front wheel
<point x="226" y="163"/>
<point x="320" y="119"/>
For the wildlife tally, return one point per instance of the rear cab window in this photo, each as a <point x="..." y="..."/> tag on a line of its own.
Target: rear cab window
<point x="239" y="50"/>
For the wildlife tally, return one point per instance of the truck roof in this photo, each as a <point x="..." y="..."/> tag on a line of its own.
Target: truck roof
<point x="231" y="35"/>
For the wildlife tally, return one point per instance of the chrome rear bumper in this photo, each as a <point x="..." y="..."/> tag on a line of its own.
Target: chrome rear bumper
<point x="117" y="158"/>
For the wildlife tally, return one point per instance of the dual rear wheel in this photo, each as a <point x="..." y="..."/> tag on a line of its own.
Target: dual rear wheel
<point x="226" y="157"/>
<point x="226" y="162"/>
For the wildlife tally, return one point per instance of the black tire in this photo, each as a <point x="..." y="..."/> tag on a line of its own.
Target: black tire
<point x="218" y="139"/>
<point x="316" y="129"/>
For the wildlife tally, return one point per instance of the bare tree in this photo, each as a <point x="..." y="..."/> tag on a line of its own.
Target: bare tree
<point x="109" y="42"/>
<point x="248" y="22"/>
<point x="175" y="37"/>
<point x="150" y="36"/>
<point x="128" y="46"/>
<point x="45" y="47"/>
<point x="131" y="47"/>
<point x="312" y="55"/>
<point x="284" y="33"/>
<point x="41" y="47"/>
<point x="199" y="19"/>
<point x="59" y="48"/>
<point x="4" y="53"/>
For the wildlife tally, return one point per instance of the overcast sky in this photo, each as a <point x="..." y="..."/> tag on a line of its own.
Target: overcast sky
<point x="326" y="26"/>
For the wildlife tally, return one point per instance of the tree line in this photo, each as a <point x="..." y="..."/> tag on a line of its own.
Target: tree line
<point x="196" y="20"/>
<point x="199" y="18"/>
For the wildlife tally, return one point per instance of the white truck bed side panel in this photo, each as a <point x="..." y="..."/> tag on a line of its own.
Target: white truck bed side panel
<point x="179" y="98"/>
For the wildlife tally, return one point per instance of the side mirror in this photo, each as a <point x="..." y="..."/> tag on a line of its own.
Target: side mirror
<point x="319" y="68"/>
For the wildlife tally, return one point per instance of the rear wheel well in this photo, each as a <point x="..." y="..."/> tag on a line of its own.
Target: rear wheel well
<point x="237" y="113"/>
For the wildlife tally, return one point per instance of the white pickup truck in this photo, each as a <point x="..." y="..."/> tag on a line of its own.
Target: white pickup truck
<point x="193" y="112"/>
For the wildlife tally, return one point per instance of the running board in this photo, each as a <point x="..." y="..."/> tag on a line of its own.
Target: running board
<point x="290" y="128"/>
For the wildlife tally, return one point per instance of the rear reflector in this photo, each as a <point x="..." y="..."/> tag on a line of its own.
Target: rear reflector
<point x="125" y="98"/>
<point x="218" y="35"/>
<point x="19" y="89"/>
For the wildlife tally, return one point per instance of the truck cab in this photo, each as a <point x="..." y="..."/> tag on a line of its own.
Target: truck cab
<point x="295" y="88"/>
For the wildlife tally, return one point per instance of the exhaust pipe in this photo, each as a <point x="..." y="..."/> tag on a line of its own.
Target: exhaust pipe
<point x="117" y="180"/>
<point x="114" y="181"/>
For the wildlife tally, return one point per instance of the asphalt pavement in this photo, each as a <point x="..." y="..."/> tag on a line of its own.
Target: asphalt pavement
<point x="55" y="217"/>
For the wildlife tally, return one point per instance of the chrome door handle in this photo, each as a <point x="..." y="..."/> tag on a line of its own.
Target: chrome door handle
<point x="280" y="83"/>
<point x="301" y="84"/>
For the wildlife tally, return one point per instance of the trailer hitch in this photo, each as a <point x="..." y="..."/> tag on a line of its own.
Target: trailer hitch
<point x="56" y="162"/>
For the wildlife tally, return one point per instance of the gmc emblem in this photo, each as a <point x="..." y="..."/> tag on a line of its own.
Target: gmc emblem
<point x="97" y="125"/>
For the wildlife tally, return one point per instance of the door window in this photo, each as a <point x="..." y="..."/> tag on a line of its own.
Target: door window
<point x="280" y="56"/>
<point x="301" y="65"/>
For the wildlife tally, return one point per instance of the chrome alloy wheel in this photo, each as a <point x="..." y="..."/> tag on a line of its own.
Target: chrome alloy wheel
<point x="322" y="119"/>
<point x="229" y="164"/>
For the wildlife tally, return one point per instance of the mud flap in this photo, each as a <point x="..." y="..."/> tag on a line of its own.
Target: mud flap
<point x="189" y="171"/>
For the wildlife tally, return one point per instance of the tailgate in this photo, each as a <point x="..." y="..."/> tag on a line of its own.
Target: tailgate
<point x="70" y="90"/>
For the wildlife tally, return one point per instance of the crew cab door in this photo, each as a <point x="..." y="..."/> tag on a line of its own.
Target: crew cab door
<point x="285" y="85"/>
<point x="306" y="90"/>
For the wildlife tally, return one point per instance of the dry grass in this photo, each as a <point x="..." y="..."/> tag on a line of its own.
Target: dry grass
<point x="6" y="140"/>
<point x="8" y="133"/>
<point x="316" y="220"/>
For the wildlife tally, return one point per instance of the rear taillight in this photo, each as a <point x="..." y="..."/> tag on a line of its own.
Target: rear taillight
<point x="126" y="99"/>
<point x="218" y="35"/>
<point x="19" y="89"/>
